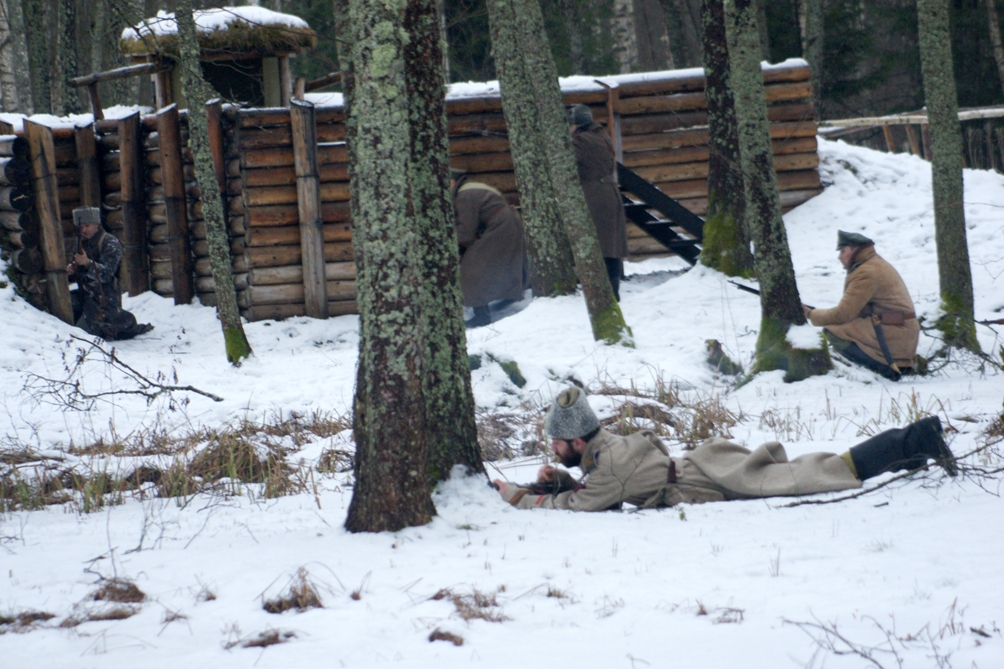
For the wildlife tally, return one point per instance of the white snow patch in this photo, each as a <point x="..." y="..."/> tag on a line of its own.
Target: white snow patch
<point x="804" y="337"/>
<point x="210" y="20"/>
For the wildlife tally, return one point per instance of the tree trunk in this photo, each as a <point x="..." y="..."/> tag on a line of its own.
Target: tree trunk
<point x="196" y="93"/>
<point x="577" y="52"/>
<point x="550" y="252"/>
<point x="653" y="43"/>
<point x="625" y="40"/>
<point x="66" y="93"/>
<point x="451" y="432"/>
<point x="682" y="26"/>
<point x="780" y="306"/>
<point x="530" y="79"/>
<point x="726" y="239"/>
<point x="762" y="30"/>
<point x="954" y="273"/>
<point x="810" y="20"/>
<point x="389" y="420"/>
<point x="995" y="38"/>
<point x="39" y="54"/>
<point x="19" y="58"/>
<point x="8" y="85"/>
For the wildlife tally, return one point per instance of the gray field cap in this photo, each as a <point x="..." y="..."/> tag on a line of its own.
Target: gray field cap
<point x="84" y="215"/>
<point x="570" y="415"/>
<point x="579" y="115"/>
<point x="851" y="239"/>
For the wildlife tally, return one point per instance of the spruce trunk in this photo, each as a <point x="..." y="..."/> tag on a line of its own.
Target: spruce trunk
<point x="954" y="274"/>
<point x="451" y="431"/>
<point x="811" y="27"/>
<point x="389" y="419"/>
<point x="550" y="252"/>
<point x="534" y="82"/>
<point x="576" y="51"/>
<point x="68" y="96"/>
<point x="39" y="55"/>
<point x="195" y="89"/>
<point x="726" y="240"/>
<point x="780" y="306"/>
<point x="995" y="38"/>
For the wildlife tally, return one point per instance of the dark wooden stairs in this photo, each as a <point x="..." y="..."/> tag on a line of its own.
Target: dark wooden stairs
<point x="660" y="216"/>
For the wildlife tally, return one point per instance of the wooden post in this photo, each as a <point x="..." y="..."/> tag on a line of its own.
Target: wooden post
<point x="43" y="177"/>
<point x="162" y="89"/>
<point x="134" y="271"/>
<point x="299" y="88"/>
<point x="285" y="81"/>
<point x="6" y="128"/>
<point x="614" y="120"/>
<point x="890" y="143"/>
<point x="308" y="197"/>
<point x="911" y="135"/>
<point x="87" y="163"/>
<point x="925" y="135"/>
<point x="96" y="110"/>
<point x="173" y="175"/>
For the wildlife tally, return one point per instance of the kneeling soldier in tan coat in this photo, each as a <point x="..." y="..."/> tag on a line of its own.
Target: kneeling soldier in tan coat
<point x="639" y="470"/>
<point x="874" y="325"/>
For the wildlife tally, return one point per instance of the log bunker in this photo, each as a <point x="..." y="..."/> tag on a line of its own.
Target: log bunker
<point x="139" y="170"/>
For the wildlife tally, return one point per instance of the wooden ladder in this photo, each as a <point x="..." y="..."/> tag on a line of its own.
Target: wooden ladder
<point x="646" y="199"/>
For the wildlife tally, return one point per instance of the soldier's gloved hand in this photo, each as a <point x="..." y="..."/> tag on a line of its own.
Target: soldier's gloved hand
<point x="547" y="474"/>
<point x="501" y="486"/>
<point x="81" y="259"/>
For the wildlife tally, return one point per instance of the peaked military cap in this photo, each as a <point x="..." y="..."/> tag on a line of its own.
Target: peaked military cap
<point x="851" y="239"/>
<point x="579" y="115"/>
<point x="570" y="416"/>
<point x="84" y="215"/>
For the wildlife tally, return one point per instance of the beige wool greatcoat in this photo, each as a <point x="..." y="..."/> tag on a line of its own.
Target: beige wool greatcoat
<point x="636" y="470"/>
<point x="594" y="157"/>
<point x="490" y="234"/>
<point x="873" y="286"/>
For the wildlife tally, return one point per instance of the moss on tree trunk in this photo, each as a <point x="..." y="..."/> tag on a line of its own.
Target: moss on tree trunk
<point x="196" y="92"/>
<point x="726" y="244"/>
<point x="520" y="44"/>
<point x="954" y="274"/>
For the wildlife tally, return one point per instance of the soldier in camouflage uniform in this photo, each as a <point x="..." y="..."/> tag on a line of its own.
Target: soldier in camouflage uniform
<point x="97" y="303"/>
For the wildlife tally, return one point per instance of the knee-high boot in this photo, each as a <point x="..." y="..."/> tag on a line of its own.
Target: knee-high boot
<point x="905" y="448"/>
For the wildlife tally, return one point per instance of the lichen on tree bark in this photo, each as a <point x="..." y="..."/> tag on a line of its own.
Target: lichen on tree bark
<point x="196" y="92"/>
<point x="954" y="273"/>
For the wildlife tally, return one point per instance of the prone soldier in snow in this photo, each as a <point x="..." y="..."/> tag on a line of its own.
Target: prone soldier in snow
<point x="97" y="303"/>
<point x="638" y="469"/>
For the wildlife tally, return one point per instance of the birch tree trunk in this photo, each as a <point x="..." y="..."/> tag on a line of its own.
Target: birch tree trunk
<point x="39" y="54"/>
<point x="389" y="419"/>
<point x="451" y="431"/>
<point x="780" y="305"/>
<point x="684" y="33"/>
<point x="810" y="20"/>
<point x="19" y="58"/>
<point x="529" y="83"/>
<point x="196" y="93"/>
<point x="625" y="38"/>
<point x="995" y="37"/>
<point x="547" y="244"/>
<point x="726" y="239"/>
<point x="573" y="27"/>
<point x="761" y="27"/>
<point x="954" y="274"/>
<point x="8" y="85"/>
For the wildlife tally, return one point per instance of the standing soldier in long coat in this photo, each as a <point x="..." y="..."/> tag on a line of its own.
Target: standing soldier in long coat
<point x="97" y="304"/>
<point x="594" y="156"/>
<point x="492" y="251"/>
<point x="874" y="325"/>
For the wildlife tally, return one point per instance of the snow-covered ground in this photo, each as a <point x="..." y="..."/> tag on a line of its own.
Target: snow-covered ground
<point x="719" y="585"/>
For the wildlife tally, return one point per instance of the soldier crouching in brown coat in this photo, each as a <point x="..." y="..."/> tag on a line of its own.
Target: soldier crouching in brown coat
<point x="638" y="469"/>
<point x="595" y="160"/>
<point x="492" y="251"/>
<point x="97" y="304"/>
<point x="875" y="324"/>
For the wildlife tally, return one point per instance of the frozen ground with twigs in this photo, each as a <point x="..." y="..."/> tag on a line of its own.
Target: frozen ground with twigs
<point x="176" y="528"/>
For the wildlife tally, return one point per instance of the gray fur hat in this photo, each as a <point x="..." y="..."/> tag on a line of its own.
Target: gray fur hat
<point x="579" y="115"/>
<point x="570" y="415"/>
<point x="851" y="239"/>
<point x="84" y="215"/>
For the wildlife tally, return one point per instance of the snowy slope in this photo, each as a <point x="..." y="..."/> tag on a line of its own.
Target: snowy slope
<point x="628" y="589"/>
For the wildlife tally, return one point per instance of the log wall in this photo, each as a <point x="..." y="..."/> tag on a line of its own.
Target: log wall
<point x="659" y="124"/>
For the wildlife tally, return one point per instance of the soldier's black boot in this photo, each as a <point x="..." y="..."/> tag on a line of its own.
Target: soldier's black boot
<point x="482" y="317"/>
<point x="905" y="448"/>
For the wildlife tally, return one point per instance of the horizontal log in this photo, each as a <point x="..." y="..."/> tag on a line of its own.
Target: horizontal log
<point x="283" y="157"/>
<point x="680" y="102"/>
<point x="281" y="215"/>
<point x="483" y="162"/>
<point x="160" y="269"/>
<point x="262" y="138"/>
<point x="18" y="221"/>
<point x="464" y="145"/>
<point x="205" y="284"/>
<point x="264" y="312"/>
<point x="160" y="253"/>
<point x="698" y="188"/>
<point x="334" y="271"/>
<point x="20" y="240"/>
<point x="14" y="171"/>
<point x="235" y="226"/>
<point x="238" y="265"/>
<point x="13" y="145"/>
<point x="286" y="176"/>
<point x="287" y="293"/>
<point x="332" y="232"/>
<point x="653" y="123"/>
<point x="16" y="198"/>
<point x="337" y="191"/>
<point x="282" y="256"/>
<point x="680" y="172"/>
<point x="162" y="287"/>
<point x="152" y="158"/>
<point x="476" y="123"/>
<point x="253" y="118"/>
<point x="208" y="299"/>
<point x="156" y="175"/>
<point x="26" y="261"/>
<point x="69" y="194"/>
<point x="200" y="247"/>
<point x="699" y="136"/>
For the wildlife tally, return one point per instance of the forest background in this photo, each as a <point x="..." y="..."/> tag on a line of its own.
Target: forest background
<point x="871" y="53"/>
